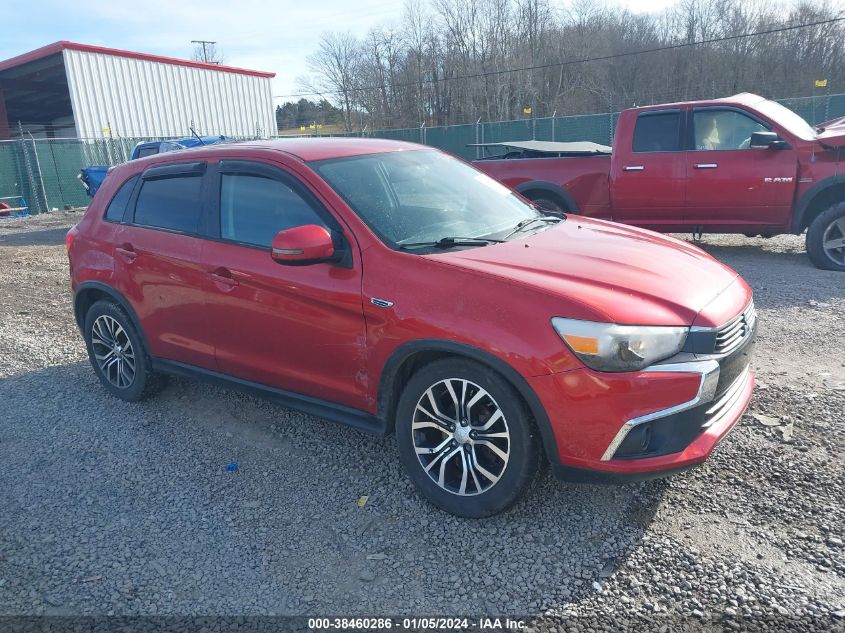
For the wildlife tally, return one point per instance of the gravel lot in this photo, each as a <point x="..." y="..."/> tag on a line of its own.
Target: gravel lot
<point x="114" y="508"/>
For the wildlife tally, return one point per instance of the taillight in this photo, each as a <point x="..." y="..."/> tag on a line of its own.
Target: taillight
<point x="71" y="235"/>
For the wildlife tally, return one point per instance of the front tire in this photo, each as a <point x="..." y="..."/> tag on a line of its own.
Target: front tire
<point x="466" y="439"/>
<point x="826" y="239"/>
<point x="117" y="353"/>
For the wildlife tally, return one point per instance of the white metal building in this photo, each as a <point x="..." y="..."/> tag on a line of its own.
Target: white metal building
<point x="77" y="90"/>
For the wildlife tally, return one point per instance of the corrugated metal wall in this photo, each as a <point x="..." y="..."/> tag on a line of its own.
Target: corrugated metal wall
<point x="139" y="98"/>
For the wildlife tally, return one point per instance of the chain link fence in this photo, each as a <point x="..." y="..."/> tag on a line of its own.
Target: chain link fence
<point x="598" y="128"/>
<point x="44" y="172"/>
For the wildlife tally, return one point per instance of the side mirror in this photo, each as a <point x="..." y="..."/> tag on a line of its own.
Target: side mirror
<point x="767" y="140"/>
<point x="308" y="244"/>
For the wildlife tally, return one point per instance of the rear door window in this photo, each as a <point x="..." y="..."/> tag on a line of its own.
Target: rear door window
<point x="173" y="203"/>
<point x="254" y="208"/>
<point x="658" y="132"/>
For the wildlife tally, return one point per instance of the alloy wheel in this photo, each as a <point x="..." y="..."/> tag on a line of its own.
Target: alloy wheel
<point x="833" y="241"/>
<point x="113" y="351"/>
<point x="461" y="437"/>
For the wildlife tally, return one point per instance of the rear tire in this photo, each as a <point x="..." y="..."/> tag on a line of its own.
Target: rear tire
<point x="826" y="239"/>
<point x="474" y="449"/>
<point x="549" y="203"/>
<point x="117" y="353"/>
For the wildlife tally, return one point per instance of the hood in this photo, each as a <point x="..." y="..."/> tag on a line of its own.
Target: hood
<point x="609" y="272"/>
<point x="834" y="133"/>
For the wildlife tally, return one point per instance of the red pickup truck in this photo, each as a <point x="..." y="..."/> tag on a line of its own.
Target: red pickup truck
<point x="741" y="164"/>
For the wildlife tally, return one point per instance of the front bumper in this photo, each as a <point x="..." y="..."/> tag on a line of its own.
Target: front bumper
<point x="638" y="425"/>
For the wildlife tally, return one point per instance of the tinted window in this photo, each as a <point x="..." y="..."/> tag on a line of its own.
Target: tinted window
<point x="170" y="203"/>
<point x="657" y="132"/>
<point x="724" y="129"/>
<point x="117" y="206"/>
<point x="147" y="151"/>
<point x="253" y="209"/>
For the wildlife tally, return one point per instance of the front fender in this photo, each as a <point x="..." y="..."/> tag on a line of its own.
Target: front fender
<point x="392" y="371"/>
<point x="799" y="217"/>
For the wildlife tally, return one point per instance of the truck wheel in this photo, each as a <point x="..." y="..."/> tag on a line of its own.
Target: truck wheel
<point x="546" y="200"/>
<point x="826" y="239"/>
<point x="549" y="203"/>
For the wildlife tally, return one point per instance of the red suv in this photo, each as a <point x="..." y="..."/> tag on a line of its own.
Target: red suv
<point x="392" y="287"/>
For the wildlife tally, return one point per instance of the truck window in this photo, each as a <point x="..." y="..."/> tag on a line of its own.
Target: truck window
<point x="147" y="151"/>
<point x="723" y="129"/>
<point x="658" y="132"/>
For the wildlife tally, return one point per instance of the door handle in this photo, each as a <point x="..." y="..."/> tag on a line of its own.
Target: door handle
<point x="224" y="279"/>
<point x="706" y="165"/>
<point x="126" y="253"/>
<point x="634" y="168"/>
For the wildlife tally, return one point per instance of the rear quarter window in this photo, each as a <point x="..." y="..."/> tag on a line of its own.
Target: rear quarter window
<point x="117" y="206"/>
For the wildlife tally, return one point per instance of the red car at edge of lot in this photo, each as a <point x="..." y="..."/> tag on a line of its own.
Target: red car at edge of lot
<point x="392" y="287"/>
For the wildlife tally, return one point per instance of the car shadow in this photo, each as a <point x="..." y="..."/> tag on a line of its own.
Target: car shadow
<point x="46" y="237"/>
<point x="312" y="516"/>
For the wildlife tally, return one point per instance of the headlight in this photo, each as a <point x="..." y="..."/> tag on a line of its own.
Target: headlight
<point x="612" y="347"/>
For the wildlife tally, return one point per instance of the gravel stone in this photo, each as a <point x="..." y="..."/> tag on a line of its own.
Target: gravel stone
<point x="127" y="509"/>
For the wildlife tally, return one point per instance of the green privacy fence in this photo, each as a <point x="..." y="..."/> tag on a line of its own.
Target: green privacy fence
<point x="44" y="171"/>
<point x="598" y="128"/>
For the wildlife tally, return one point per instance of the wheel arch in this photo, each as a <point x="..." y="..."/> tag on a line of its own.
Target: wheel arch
<point x="550" y="189"/>
<point x="816" y="199"/>
<point x="410" y="357"/>
<point x="89" y="292"/>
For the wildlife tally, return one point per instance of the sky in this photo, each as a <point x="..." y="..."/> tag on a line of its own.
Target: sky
<point x="259" y="35"/>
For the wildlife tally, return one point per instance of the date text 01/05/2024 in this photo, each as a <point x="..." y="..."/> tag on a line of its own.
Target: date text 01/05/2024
<point x="416" y="623"/>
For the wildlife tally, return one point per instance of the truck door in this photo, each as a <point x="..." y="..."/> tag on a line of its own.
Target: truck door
<point x="732" y="187"/>
<point x="648" y="172"/>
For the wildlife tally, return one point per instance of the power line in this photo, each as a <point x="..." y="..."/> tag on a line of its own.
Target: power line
<point x="491" y="73"/>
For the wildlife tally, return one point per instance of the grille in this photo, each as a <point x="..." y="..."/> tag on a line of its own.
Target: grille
<point x="731" y="335"/>
<point x="717" y="410"/>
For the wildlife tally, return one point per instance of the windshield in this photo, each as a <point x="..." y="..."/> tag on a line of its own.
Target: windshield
<point x="785" y="117"/>
<point x="424" y="196"/>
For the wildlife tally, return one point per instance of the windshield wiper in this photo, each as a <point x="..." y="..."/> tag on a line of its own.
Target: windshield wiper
<point x="449" y="242"/>
<point x="526" y="223"/>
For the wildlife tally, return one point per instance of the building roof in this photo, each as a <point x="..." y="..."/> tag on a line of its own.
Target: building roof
<point x="58" y="47"/>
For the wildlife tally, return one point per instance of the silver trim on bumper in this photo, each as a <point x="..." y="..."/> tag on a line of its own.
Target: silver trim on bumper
<point x="709" y="370"/>
<point x="717" y="411"/>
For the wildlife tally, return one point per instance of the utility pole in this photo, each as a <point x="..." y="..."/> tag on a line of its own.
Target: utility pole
<point x="204" y="43"/>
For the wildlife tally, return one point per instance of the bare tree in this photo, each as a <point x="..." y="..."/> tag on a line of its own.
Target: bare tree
<point x="207" y="51"/>
<point x="454" y="61"/>
<point x="337" y="65"/>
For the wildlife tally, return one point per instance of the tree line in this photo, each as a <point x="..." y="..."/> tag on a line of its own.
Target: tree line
<point x="305" y="112"/>
<point x="456" y="61"/>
